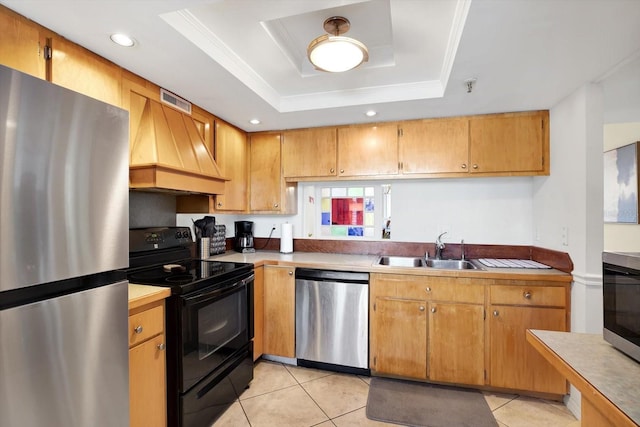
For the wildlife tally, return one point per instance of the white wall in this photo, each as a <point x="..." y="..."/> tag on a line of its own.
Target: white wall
<point x="478" y="210"/>
<point x="621" y="237"/>
<point x="571" y="197"/>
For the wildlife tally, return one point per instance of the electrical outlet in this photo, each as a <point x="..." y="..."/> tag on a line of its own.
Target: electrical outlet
<point x="565" y="236"/>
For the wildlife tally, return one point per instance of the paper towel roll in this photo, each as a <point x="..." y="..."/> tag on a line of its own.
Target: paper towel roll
<point x="286" y="238"/>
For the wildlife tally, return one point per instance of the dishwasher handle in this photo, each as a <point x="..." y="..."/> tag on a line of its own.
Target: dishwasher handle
<point x="332" y="275"/>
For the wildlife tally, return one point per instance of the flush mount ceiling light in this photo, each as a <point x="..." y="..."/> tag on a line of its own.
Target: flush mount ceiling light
<point x="122" y="39"/>
<point x="335" y="53"/>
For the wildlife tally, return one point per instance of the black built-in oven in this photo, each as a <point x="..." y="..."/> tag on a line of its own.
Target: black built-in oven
<point x="210" y="332"/>
<point x="621" y="301"/>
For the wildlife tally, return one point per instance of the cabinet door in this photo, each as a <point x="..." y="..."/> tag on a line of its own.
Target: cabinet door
<point x="309" y="153"/>
<point x="279" y="311"/>
<point x="147" y="386"/>
<point x="400" y="342"/>
<point x="509" y="143"/>
<point x="265" y="181"/>
<point x="258" y="313"/>
<point x="21" y="44"/>
<point x="80" y="70"/>
<point x="456" y="343"/>
<point x="514" y="363"/>
<point x="232" y="158"/>
<point x="434" y="146"/>
<point x="368" y="150"/>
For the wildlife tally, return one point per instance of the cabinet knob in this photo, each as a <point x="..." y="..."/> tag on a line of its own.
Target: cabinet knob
<point x="421" y="308"/>
<point x="275" y="205"/>
<point x="496" y="313"/>
<point x="291" y="273"/>
<point x="463" y="166"/>
<point x="138" y="329"/>
<point x="161" y="346"/>
<point x="341" y="170"/>
<point x="475" y="166"/>
<point x="332" y="170"/>
<point x="219" y="204"/>
<point x="428" y="289"/>
<point x="433" y="309"/>
<point x="527" y="294"/>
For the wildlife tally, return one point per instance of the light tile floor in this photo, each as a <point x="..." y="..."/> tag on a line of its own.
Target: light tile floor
<point x="284" y="395"/>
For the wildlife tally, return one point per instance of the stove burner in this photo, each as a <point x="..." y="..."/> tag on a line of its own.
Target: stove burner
<point x="179" y="279"/>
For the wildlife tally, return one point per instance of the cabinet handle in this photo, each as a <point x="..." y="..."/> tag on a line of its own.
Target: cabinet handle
<point x="496" y="313"/>
<point x="527" y="294"/>
<point x="463" y="166"/>
<point x="332" y="170"/>
<point x="428" y="289"/>
<point x="219" y="204"/>
<point x="138" y="329"/>
<point x="275" y="205"/>
<point x="433" y="309"/>
<point x="161" y="346"/>
<point x="475" y="166"/>
<point x="421" y="308"/>
<point x="341" y="170"/>
<point x="291" y="273"/>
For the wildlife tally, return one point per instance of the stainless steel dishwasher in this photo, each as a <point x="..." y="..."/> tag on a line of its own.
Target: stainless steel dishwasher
<point x="332" y="320"/>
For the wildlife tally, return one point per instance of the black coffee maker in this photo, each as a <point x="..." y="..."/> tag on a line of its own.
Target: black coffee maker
<point x="244" y="236"/>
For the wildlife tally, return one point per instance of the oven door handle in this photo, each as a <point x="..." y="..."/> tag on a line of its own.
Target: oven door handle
<point x="219" y="292"/>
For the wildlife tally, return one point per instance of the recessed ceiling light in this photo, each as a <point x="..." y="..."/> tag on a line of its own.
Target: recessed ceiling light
<point x="254" y="121"/>
<point x="370" y="113"/>
<point x="122" y="39"/>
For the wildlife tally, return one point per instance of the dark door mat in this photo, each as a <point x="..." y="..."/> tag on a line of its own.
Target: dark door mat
<point x="427" y="405"/>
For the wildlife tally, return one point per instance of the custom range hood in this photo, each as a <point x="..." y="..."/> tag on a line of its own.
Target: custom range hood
<point x="168" y="152"/>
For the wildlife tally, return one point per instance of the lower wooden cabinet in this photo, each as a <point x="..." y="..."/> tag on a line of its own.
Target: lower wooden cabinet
<point x="427" y="328"/>
<point x="514" y="363"/>
<point x="456" y="343"/>
<point x="400" y="337"/>
<point x="147" y="366"/>
<point x="465" y="330"/>
<point x="279" y="311"/>
<point x="258" y="313"/>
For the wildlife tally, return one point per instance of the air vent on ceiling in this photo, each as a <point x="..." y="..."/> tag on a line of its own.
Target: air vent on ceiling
<point x="175" y="101"/>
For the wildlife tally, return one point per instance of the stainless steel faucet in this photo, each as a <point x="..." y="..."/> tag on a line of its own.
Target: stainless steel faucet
<point x="462" y="249"/>
<point x="439" y="246"/>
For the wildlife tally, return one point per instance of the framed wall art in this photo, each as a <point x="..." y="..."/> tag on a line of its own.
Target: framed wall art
<point x="621" y="184"/>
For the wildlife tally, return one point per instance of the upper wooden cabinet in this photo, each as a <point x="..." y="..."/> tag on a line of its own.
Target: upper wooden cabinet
<point x="434" y="146"/>
<point x="80" y="70"/>
<point x="309" y="153"/>
<point x="21" y="44"/>
<point x="368" y="150"/>
<point x="510" y="144"/>
<point x="232" y="154"/>
<point x="268" y="191"/>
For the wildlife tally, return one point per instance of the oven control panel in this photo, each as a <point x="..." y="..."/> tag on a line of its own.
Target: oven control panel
<point x="145" y="239"/>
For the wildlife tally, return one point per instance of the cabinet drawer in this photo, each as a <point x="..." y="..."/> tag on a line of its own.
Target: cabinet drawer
<point x="548" y="296"/>
<point x="146" y="324"/>
<point x="454" y="290"/>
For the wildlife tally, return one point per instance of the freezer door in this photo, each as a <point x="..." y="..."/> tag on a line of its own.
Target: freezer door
<point x="64" y="184"/>
<point x="332" y="322"/>
<point x="64" y="362"/>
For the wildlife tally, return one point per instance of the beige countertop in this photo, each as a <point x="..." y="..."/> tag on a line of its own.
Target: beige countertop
<point x="369" y="263"/>
<point x="140" y="295"/>
<point x="610" y="372"/>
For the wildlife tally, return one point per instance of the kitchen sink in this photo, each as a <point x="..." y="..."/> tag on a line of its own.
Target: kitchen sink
<point x="401" y="261"/>
<point x="450" y="264"/>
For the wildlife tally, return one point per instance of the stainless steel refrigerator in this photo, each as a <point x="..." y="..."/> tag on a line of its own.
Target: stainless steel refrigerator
<point x="63" y="236"/>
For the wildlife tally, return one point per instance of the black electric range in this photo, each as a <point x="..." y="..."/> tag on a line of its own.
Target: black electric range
<point x="209" y="322"/>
